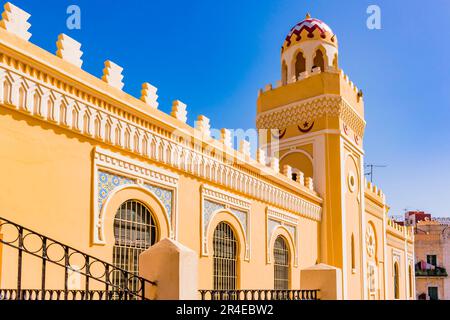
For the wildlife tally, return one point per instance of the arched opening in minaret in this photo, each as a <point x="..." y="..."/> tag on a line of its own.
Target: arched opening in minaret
<point x="284" y="71"/>
<point x="300" y="64"/>
<point x="319" y="60"/>
<point x="335" y="62"/>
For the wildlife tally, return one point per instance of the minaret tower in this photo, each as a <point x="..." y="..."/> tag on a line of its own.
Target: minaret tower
<point x="316" y="117"/>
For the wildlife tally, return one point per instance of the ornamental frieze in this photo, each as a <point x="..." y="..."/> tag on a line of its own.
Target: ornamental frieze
<point x="303" y="112"/>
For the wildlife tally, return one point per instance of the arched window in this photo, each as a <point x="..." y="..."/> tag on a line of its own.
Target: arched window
<point x="85" y="123"/>
<point x="335" y="61"/>
<point x="411" y="293"/>
<point x="319" y="60"/>
<point x="97" y="128"/>
<point x="225" y="258"/>
<point x="75" y="119"/>
<point x="63" y="115"/>
<point x="135" y="231"/>
<point x="353" y="252"/>
<point x="396" y="282"/>
<point x="281" y="264"/>
<point x="300" y="64"/>
<point x="284" y="72"/>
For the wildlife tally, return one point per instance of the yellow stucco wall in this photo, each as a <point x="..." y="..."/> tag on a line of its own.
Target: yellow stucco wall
<point x="51" y="162"/>
<point x="52" y="168"/>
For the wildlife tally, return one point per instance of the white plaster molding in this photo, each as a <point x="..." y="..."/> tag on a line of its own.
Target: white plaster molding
<point x="230" y="202"/>
<point x="309" y="109"/>
<point x="124" y="165"/>
<point x="141" y="173"/>
<point x="286" y="220"/>
<point x="92" y="121"/>
<point x="222" y="196"/>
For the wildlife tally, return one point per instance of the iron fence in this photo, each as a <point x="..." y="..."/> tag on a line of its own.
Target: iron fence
<point x="73" y="262"/>
<point x="259" y="295"/>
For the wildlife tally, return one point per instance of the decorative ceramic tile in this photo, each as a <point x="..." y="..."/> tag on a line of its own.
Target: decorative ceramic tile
<point x="107" y="182"/>
<point x="164" y="195"/>
<point x="242" y="217"/>
<point x="292" y="230"/>
<point x="209" y="207"/>
<point x="271" y="225"/>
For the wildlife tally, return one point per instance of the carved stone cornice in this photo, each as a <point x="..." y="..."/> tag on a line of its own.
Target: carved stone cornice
<point x="225" y="197"/>
<point x="42" y="100"/>
<point x="119" y="163"/>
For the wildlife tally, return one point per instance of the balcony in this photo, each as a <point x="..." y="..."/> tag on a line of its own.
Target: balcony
<point x="436" y="272"/>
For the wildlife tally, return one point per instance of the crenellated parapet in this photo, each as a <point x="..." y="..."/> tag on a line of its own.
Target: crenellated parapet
<point x="149" y="96"/>
<point x="15" y="20"/>
<point x="346" y="83"/>
<point x="373" y="191"/>
<point x="112" y="75"/>
<point x="69" y="49"/>
<point x="403" y="232"/>
<point x="74" y="100"/>
<point x="354" y="90"/>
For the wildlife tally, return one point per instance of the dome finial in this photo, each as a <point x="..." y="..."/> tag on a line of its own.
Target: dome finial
<point x="308" y="16"/>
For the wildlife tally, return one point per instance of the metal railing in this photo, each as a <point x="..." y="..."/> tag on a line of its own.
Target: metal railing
<point x="45" y="252"/>
<point x="436" y="272"/>
<point x="260" y="295"/>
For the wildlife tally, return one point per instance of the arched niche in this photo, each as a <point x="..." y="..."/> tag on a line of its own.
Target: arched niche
<point x="132" y="192"/>
<point x="300" y="160"/>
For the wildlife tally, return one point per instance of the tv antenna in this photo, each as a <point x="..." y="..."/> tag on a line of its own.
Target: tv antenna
<point x="371" y="167"/>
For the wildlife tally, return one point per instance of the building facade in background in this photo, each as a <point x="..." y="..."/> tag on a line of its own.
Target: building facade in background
<point x="87" y="164"/>
<point x="432" y="252"/>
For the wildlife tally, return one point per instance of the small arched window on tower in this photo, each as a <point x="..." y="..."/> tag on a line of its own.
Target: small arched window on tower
<point x="300" y="64"/>
<point x="319" y="60"/>
<point x="353" y="253"/>
<point x="396" y="282"/>
<point x="335" y="62"/>
<point x="284" y="70"/>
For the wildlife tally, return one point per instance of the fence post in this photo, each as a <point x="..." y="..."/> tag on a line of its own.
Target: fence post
<point x="322" y="277"/>
<point x="173" y="267"/>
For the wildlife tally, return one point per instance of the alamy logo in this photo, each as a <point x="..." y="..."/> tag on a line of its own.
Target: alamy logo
<point x="74" y="19"/>
<point x="374" y="19"/>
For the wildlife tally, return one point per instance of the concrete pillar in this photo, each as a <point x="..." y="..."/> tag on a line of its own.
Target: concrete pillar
<point x="173" y="267"/>
<point x="326" y="278"/>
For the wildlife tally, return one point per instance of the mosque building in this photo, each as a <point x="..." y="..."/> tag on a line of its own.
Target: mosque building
<point x="111" y="175"/>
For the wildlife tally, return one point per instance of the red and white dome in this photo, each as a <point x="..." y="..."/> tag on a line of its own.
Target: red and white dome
<point x="309" y="29"/>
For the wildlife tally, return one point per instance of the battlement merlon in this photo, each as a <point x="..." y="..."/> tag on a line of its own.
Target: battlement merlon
<point x="309" y="86"/>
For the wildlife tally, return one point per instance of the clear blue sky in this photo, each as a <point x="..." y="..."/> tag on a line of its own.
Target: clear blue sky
<point x="214" y="55"/>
